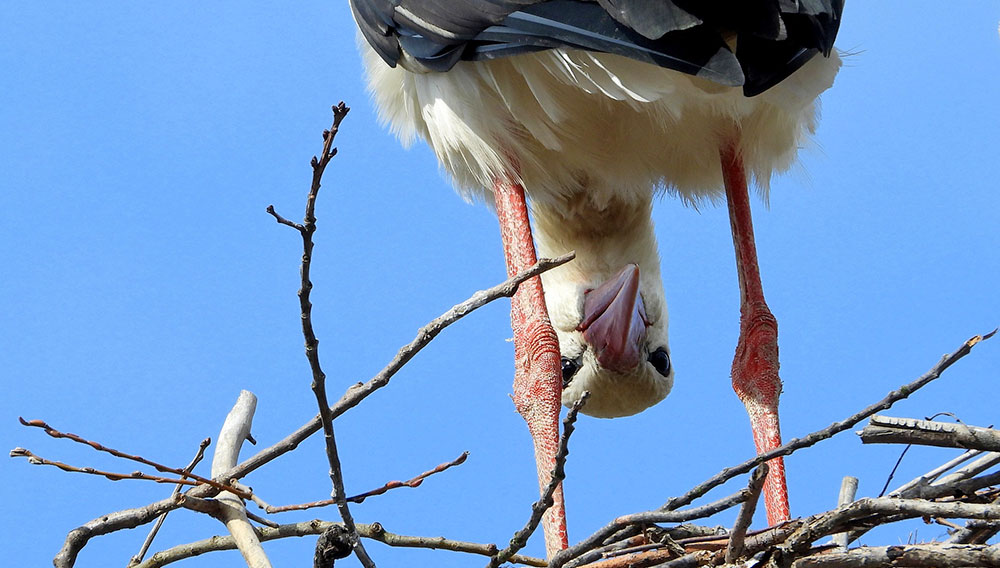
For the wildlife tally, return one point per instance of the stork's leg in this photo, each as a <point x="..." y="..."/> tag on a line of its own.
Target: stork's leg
<point x="755" y="367"/>
<point x="538" y="374"/>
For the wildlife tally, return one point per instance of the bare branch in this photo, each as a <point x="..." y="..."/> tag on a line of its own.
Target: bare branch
<point x="889" y="430"/>
<point x="915" y="555"/>
<point x="414" y="482"/>
<point x="111" y="522"/>
<point x="231" y="510"/>
<point x="658" y="516"/>
<point x="373" y="531"/>
<point x="306" y="230"/>
<point x="793" y="445"/>
<point x="520" y="538"/>
<point x="34" y="459"/>
<point x="756" y="483"/>
<point x="159" y="521"/>
<point x="930" y="476"/>
<point x="197" y="479"/>
<point x="841" y="517"/>
<point x="660" y="558"/>
<point x="848" y="490"/>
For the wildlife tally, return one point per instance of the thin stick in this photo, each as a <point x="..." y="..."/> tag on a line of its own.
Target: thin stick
<point x="848" y="490"/>
<point x="35" y="459"/>
<point x="793" y="445"/>
<point x="414" y="482"/>
<point x="912" y="555"/>
<point x="228" y="508"/>
<point x="903" y="490"/>
<point x="159" y="521"/>
<point x="306" y="230"/>
<point x="735" y="547"/>
<point x="373" y="531"/>
<point x="197" y="479"/>
<point x="520" y="538"/>
<point x="891" y="430"/>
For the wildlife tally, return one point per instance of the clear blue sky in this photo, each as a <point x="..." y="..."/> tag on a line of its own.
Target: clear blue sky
<point x="144" y="285"/>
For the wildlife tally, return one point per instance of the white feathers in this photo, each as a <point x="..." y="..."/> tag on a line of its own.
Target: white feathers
<point x="555" y="116"/>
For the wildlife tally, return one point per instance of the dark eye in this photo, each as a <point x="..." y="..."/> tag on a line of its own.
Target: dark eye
<point x="569" y="368"/>
<point x="660" y="360"/>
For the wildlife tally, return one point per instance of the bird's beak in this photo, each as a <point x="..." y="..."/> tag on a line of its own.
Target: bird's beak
<point x="614" y="321"/>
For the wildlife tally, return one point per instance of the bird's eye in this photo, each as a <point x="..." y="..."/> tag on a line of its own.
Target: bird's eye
<point x="660" y="360"/>
<point x="569" y="368"/>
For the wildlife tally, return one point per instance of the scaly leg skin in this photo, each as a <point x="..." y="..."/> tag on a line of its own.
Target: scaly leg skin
<point x="538" y="373"/>
<point x="755" y="367"/>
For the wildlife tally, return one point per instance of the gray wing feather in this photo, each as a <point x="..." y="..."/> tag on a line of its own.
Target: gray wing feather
<point x="774" y="37"/>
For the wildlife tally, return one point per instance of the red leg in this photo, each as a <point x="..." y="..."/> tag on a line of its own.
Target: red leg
<point x="755" y="367"/>
<point x="538" y="373"/>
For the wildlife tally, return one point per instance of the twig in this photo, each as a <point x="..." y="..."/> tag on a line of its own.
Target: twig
<point x="848" y="490"/>
<point x="520" y="538"/>
<point x="415" y="482"/>
<point x="373" y="531"/>
<point x="982" y="464"/>
<point x="231" y="510"/>
<point x="306" y="230"/>
<point x="794" y="445"/>
<point x="828" y="523"/>
<point x="954" y="487"/>
<point x="660" y="558"/>
<point x="682" y="516"/>
<point x="197" y="479"/>
<point x="890" y="430"/>
<point x="902" y="491"/>
<point x="34" y="459"/>
<point x="914" y="555"/>
<point x="892" y="472"/>
<point x="735" y="547"/>
<point x="159" y="521"/>
<point x="632" y="537"/>
<point x="975" y="532"/>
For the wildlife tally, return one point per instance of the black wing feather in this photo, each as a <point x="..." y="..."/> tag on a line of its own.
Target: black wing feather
<point x="773" y="37"/>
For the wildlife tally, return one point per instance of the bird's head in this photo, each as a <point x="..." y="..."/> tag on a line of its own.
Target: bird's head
<point x="612" y="330"/>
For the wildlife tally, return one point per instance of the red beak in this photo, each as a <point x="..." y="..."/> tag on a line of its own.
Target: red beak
<point x="614" y="321"/>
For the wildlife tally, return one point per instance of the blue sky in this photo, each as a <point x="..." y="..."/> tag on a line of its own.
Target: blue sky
<point x="144" y="285"/>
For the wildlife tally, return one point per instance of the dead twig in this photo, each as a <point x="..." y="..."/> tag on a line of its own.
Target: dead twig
<point x="793" y="445"/>
<point x="34" y="459"/>
<point x="414" y="482"/>
<point x="914" y="555"/>
<point x="137" y="558"/>
<point x="682" y="516"/>
<point x="890" y="430"/>
<point x="373" y="531"/>
<point x="195" y="479"/>
<point x="520" y="538"/>
<point x="736" y="537"/>
<point x="848" y="491"/>
<point x="230" y="509"/>
<point x="306" y="231"/>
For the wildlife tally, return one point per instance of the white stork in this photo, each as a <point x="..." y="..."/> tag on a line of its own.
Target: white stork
<point x="590" y="108"/>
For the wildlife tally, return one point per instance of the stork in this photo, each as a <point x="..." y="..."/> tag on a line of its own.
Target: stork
<point x="589" y="108"/>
